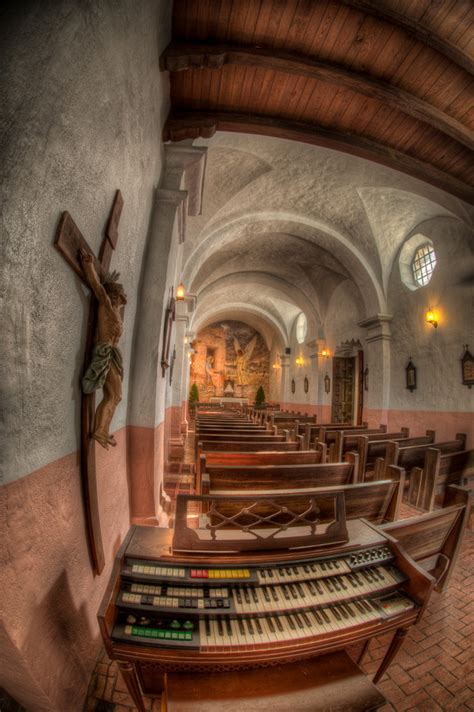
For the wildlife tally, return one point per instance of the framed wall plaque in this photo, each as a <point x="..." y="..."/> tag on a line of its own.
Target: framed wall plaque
<point x="467" y="364"/>
<point x="167" y="328"/>
<point x="411" y="375"/>
<point x="306" y="384"/>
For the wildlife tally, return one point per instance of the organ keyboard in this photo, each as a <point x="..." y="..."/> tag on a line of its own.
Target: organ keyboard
<point x="166" y="610"/>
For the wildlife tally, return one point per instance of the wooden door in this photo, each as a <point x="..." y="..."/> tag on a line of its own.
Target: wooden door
<point x="343" y="390"/>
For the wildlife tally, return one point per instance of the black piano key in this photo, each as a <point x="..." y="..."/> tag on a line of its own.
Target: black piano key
<point x="336" y="613"/>
<point x="341" y="583"/>
<point x="254" y="595"/>
<point x="263" y="573"/>
<point x="291" y="622"/>
<point x="318" y="587"/>
<point x="367" y="575"/>
<point x="359" y="607"/>
<point x="246" y="595"/>
<point x="270" y="624"/>
<point x="220" y="628"/>
<point x="208" y="627"/>
<point x="298" y="620"/>
<point x="336" y="564"/>
<point x="274" y="594"/>
<point x="311" y="587"/>
<point x="306" y="619"/>
<point x="306" y="568"/>
<point x="328" y="585"/>
<point x="285" y="592"/>
<point x="228" y="626"/>
<point x="336" y="585"/>
<point x="330" y="565"/>
<point x="266" y="595"/>
<point x="293" y="590"/>
<point x="295" y="570"/>
<point x="288" y="570"/>
<point x="349" y="610"/>
<point x="241" y="626"/>
<point x="324" y="615"/>
<point x="323" y="565"/>
<point x="300" y="590"/>
<point x="352" y="580"/>
<point x="270" y="573"/>
<point x="366" y="606"/>
<point x="258" y="626"/>
<point x="279" y="625"/>
<point x="250" y="626"/>
<point x="343" y="611"/>
<point x="238" y="595"/>
<point x="318" y="617"/>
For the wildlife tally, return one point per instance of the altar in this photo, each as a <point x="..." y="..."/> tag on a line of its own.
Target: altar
<point x="228" y="400"/>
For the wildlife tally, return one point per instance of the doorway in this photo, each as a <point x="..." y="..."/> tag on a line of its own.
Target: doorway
<point x="347" y="392"/>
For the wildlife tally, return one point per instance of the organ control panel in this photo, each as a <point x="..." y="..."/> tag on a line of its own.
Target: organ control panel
<point x="166" y="611"/>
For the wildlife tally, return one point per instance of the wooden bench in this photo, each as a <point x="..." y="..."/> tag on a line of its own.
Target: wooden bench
<point x="299" y="457"/>
<point x="427" y="484"/>
<point x="433" y="539"/>
<point x="410" y="456"/>
<point x="376" y="501"/>
<point x="312" y="432"/>
<point x="345" y="441"/>
<point x="328" y="682"/>
<point x="256" y="477"/>
<point x="372" y="448"/>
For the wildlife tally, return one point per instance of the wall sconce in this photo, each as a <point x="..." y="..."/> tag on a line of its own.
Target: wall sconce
<point x="185" y="339"/>
<point x="324" y="353"/>
<point x="431" y="318"/>
<point x="299" y="361"/>
<point x="327" y="383"/>
<point x="276" y="365"/>
<point x="180" y="292"/>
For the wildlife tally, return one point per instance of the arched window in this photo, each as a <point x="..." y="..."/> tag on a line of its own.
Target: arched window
<point x="424" y="262"/>
<point x="301" y="328"/>
<point x="417" y="261"/>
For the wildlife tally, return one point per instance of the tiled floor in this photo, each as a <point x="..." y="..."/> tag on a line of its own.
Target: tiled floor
<point x="433" y="671"/>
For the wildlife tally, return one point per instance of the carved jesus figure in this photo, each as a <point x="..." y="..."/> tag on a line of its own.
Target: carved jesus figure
<point x="106" y="367"/>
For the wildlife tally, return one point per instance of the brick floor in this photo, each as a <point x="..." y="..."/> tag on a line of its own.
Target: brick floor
<point x="433" y="671"/>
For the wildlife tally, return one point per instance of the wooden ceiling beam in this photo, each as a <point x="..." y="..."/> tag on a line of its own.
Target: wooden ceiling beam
<point x="414" y="28"/>
<point x="179" y="57"/>
<point x="196" y="124"/>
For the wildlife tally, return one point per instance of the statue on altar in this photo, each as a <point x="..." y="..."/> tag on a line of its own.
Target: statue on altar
<point x="242" y="359"/>
<point x="106" y="367"/>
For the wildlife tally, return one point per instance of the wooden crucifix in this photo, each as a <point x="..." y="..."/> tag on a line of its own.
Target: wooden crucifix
<point x="102" y="361"/>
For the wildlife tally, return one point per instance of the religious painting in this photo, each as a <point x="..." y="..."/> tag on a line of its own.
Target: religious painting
<point x="231" y="360"/>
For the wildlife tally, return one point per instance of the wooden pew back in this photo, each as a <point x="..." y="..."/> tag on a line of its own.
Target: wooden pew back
<point x="434" y="539"/>
<point x="409" y="456"/>
<point x="427" y="484"/>
<point x="256" y="477"/>
<point x="376" y="501"/>
<point x="300" y="457"/>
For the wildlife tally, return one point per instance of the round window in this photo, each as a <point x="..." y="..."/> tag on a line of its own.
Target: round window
<point x="424" y="262"/>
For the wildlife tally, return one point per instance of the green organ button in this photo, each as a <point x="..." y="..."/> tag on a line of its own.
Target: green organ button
<point x="187" y="625"/>
<point x="175" y="624"/>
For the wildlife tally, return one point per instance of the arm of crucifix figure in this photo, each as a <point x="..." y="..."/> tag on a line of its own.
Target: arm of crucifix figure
<point x="92" y="277"/>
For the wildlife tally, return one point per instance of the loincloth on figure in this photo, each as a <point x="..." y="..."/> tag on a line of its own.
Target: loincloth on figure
<point x="104" y="356"/>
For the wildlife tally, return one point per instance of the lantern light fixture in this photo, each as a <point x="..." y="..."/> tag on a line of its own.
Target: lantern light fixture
<point x="299" y="361"/>
<point x="180" y="292"/>
<point x="431" y="318"/>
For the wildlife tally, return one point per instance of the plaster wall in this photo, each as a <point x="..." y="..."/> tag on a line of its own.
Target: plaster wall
<point x="81" y="109"/>
<point x="82" y="104"/>
<point x="436" y="353"/>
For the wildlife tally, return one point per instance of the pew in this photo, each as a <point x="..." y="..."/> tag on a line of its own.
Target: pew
<point x="312" y="432"/>
<point x="371" y="448"/>
<point x="410" y="456"/>
<point x="376" y="501"/>
<point x="298" y="457"/>
<point x="222" y="478"/>
<point x="345" y="441"/>
<point x="427" y="484"/>
<point x="434" y="539"/>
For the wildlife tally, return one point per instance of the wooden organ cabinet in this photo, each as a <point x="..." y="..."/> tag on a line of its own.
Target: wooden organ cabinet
<point x="251" y="582"/>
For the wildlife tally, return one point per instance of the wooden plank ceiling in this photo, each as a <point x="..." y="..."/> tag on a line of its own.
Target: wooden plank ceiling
<point x="388" y="80"/>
